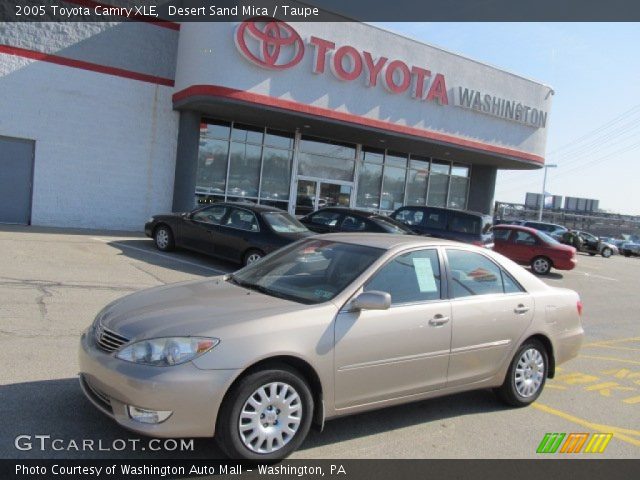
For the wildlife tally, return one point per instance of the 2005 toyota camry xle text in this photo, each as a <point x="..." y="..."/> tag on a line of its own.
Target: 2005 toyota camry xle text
<point x="327" y="326"/>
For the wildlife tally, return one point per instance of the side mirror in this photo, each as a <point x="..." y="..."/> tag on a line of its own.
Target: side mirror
<point x="187" y="215"/>
<point x="372" y="300"/>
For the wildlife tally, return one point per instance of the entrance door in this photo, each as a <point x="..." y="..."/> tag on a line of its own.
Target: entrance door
<point x="315" y="194"/>
<point x="16" y="173"/>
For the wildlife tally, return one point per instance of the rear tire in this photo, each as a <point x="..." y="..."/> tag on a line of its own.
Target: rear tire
<point x="163" y="238"/>
<point x="266" y="415"/>
<point x="526" y="376"/>
<point x="541" y="265"/>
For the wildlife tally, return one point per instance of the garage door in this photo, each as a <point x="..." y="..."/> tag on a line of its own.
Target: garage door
<point x="16" y="174"/>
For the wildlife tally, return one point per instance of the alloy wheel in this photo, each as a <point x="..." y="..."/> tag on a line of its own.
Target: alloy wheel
<point x="529" y="373"/>
<point x="162" y="238"/>
<point x="270" y="417"/>
<point x="540" y="265"/>
<point x="254" y="257"/>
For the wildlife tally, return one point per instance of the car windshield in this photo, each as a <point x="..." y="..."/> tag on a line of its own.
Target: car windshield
<point x="282" y="222"/>
<point x="391" y="225"/>
<point x="547" y="238"/>
<point x="311" y="271"/>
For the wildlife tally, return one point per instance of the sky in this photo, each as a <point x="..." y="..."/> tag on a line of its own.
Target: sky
<point x="594" y="122"/>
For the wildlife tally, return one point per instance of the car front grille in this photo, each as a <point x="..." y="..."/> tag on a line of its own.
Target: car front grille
<point x="108" y="340"/>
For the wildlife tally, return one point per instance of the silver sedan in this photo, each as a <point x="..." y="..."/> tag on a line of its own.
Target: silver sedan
<point x="328" y="326"/>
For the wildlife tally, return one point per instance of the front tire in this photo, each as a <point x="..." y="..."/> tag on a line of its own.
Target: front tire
<point x="266" y="416"/>
<point x="607" y="252"/>
<point x="526" y="376"/>
<point x="163" y="238"/>
<point x="541" y="265"/>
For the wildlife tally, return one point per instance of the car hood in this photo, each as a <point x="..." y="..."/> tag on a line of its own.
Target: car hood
<point x="193" y="308"/>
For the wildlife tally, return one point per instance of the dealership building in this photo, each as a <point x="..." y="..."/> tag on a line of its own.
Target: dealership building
<point x="105" y="124"/>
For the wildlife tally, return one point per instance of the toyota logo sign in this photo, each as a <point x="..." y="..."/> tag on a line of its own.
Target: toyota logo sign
<point x="269" y="43"/>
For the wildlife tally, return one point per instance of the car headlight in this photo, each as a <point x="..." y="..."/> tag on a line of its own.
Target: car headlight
<point x="164" y="352"/>
<point x="151" y="220"/>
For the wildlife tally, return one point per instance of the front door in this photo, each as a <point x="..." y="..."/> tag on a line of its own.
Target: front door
<point x="386" y="354"/>
<point x="198" y="231"/>
<point x="314" y="194"/>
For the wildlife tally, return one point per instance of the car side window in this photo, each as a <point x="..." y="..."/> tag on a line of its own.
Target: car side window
<point x="461" y="223"/>
<point x="409" y="277"/>
<point x="509" y="284"/>
<point x="353" y="224"/>
<point x="524" y="238"/>
<point x="409" y="216"/>
<point x="242" y="220"/>
<point x="501" y="234"/>
<point x="436" y="220"/>
<point x="473" y="274"/>
<point x="211" y="215"/>
<point x="328" y="219"/>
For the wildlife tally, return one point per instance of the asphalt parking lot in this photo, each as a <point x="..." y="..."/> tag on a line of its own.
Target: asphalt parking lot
<point x="53" y="282"/>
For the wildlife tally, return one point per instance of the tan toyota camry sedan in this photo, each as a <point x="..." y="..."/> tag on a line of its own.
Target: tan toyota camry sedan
<point x="328" y="326"/>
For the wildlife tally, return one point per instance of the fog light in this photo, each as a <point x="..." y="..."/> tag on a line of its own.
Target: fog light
<point x="143" y="415"/>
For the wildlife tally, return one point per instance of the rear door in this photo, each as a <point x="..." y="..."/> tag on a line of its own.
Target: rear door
<point x="489" y="313"/>
<point x="239" y="231"/>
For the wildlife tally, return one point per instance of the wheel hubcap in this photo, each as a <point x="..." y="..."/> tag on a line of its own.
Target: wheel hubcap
<point x="529" y="372"/>
<point x="270" y="417"/>
<point x="254" y="257"/>
<point x="162" y="238"/>
<point x="540" y="265"/>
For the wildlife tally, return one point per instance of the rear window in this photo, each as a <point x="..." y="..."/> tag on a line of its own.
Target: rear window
<point x="462" y="223"/>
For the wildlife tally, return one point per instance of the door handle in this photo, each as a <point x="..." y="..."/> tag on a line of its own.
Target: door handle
<point x="520" y="309"/>
<point x="438" y="320"/>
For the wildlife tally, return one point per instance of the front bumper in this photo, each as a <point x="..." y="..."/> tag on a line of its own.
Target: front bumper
<point x="193" y="395"/>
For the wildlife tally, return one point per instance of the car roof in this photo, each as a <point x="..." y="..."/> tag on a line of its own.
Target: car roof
<point x="516" y="227"/>
<point x="354" y="211"/>
<point x="254" y="207"/>
<point x="387" y="241"/>
<point x="443" y="209"/>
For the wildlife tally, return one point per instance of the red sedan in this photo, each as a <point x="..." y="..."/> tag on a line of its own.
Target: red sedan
<point x="528" y="246"/>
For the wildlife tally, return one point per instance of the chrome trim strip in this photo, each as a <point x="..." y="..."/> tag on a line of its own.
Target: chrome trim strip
<point x="391" y="361"/>
<point x="479" y="346"/>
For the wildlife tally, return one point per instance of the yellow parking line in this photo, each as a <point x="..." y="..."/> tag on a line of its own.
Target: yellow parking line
<point x="617" y="347"/>
<point x="611" y="359"/>
<point x="559" y="387"/>
<point x="619" y="433"/>
<point x="615" y="340"/>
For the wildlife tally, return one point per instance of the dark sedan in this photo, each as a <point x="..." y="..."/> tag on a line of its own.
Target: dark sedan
<point x="240" y="232"/>
<point x="341" y="219"/>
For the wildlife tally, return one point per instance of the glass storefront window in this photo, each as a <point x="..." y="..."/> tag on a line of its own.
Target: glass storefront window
<point x="274" y="138"/>
<point x="396" y="160"/>
<point x="212" y="166"/>
<point x="331" y="168"/>
<point x="369" y="183"/>
<point x="459" y="170"/>
<point x="458" y="192"/>
<point x="212" y="129"/>
<point x="244" y="170"/>
<point x="327" y="148"/>
<point x="417" y="187"/>
<point x="438" y="185"/>
<point x="247" y="133"/>
<point x="276" y="174"/>
<point x="438" y="166"/>
<point x="392" y="188"/>
<point x="372" y="155"/>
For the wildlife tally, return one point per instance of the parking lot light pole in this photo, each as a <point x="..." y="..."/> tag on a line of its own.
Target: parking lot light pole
<point x="544" y="187"/>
